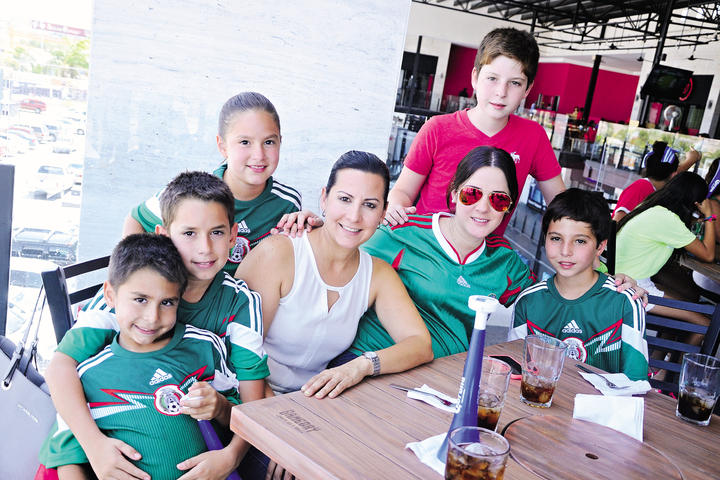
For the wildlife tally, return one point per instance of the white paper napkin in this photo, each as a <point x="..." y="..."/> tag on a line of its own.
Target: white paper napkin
<point x="430" y="400"/>
<point x="624" y="414"/>
<point x="427" y="450"/>
<point x="621" y="380"/>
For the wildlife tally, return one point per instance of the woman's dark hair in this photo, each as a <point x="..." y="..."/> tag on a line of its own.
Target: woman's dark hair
<point x="480" y="157"/>
<point x="363" y="161"/>
<point x="679" y="196"/>
<point x="657" y="166"/>
<point x="242" y="102"/>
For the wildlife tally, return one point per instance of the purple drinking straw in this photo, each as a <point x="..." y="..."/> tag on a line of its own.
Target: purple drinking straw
<point x="467" y="405"/>
<point x="213" y="442"/>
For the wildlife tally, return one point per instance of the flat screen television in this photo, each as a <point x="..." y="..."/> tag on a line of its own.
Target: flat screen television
<point x="666" y="83"/>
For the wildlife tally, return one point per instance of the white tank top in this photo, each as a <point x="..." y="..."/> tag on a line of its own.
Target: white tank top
<point x="304" y="336"/>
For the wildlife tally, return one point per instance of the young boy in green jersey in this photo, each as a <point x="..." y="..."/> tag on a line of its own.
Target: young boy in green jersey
<point x="579" y="305"/>
<point x="197" y="211"/>
<point x="134" y="385"/>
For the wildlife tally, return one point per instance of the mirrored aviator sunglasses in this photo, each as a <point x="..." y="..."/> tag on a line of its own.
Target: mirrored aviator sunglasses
<point x="499" y="201"/>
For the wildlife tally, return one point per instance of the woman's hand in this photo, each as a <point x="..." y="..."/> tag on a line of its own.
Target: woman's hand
<point x="623" y="282"/>
<point x="705" y="207"/>
<point x="333" y="381"/>
<point x="203" y="402"/>
<point x="214" y="464"/>
<point x="295" y="223"/>
<point x="397" y="214"/>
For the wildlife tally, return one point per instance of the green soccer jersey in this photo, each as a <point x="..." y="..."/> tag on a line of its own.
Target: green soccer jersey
<point x="439" y="282"/>
<point x="604" y="328"/>
<point x="228" y="308"/>
<point x="254" y="217"/>
<point x="134" y="397"/>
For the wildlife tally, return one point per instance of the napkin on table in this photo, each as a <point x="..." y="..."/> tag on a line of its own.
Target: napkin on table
<point x="619" y="379"/>
<point x="624" y="414"/>
<point x="427" y="450"/>
<point x="432" y="400"/>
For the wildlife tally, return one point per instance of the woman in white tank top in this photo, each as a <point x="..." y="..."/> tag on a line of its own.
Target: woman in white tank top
<point x="316" y="287"/>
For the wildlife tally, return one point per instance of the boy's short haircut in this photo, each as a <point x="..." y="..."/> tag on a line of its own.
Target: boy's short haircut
<point x="581" y="206"/>
<point x="661" y="162"/>
<point x="198" y="185"/>
<point x="517" y="44"/>
<point x="146" y="250"/>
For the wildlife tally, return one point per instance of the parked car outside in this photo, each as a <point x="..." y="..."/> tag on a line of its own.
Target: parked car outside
<point x="76" y="170"/>
<point x="63" y="145"/>
<point x="33" y="105"/>
<point x="40" y="131"/>
<point x="46" y="244"/>
<point x="52" y="180"/>
<point x="25" y="133"/>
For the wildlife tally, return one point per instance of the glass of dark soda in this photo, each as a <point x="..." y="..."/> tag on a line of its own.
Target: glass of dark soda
<point x="476" y="453"/>
<point x="699" y="388"/>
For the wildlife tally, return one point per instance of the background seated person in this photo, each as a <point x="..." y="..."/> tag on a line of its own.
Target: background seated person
<point x="647" y="236"/>
<point x="661" y="164"/>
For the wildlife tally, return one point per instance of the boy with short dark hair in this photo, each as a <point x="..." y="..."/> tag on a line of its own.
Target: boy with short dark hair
<point x="135" y="384"/>
<point x="199" y="221"/>
<point x="579" y="305"/>
<point x="505" y="68"/>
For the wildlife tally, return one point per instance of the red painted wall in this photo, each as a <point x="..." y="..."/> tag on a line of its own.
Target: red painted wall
<point x="460" y="65"/>
<point x="614" y="92"/>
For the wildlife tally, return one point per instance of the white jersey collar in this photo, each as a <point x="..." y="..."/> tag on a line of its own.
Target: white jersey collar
<point x="447" y="247"/>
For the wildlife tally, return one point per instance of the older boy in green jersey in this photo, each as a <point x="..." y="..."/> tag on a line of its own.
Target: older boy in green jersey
<point x="134" y="385"/>
<point x="197" y="210"/>
<point x="579" y="305"/>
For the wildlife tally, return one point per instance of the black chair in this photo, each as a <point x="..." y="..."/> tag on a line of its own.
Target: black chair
<point x="60" y="300"/>
<point x="669" y="328"/>
<point x="611" y="248"/>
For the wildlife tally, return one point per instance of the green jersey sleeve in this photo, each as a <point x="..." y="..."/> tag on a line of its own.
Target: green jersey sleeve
<point x="93" y="330"/>
<point x="148" y="213"/>
<point x="245" y="335"/>
<point x="634" y="358"/>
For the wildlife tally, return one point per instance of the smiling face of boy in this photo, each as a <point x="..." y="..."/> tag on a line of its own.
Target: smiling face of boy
<point x="571" y="247"/>
<point x="202" y="234"/>
<point x="146" y="309"/>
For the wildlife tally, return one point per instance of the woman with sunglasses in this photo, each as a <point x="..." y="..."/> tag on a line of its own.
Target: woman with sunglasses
<point x="443" y="258"/>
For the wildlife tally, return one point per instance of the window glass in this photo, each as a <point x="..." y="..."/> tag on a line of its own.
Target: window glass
<point x="44" y="61"/>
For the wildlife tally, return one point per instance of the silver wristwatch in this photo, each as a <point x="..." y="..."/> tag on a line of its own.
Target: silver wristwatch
<point x="373" y="357"/>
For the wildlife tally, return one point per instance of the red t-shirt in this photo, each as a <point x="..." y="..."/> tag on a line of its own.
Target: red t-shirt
<point x="633" y="195"/>
<point x="444" y="140"/>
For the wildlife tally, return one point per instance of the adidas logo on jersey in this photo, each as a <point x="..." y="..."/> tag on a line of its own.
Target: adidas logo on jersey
<point x="572" y="327"/>
<point x="243" y="228"/>
<point x="159" y="376"/>
<point x="462" y="282"/>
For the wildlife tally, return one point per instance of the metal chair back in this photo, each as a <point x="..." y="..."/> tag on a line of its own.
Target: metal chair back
<point x="675" y="347"/>
<point x="60" y="300"/>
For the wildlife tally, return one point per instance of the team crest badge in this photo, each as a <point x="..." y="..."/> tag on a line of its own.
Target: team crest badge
<point x="167" y="399"/>
<point x="241" y="248"/>
<point x="576" y="349"/>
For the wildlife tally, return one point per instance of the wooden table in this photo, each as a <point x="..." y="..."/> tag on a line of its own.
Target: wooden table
<point x="362" y="434"/>
<point x="709" y="269"/>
